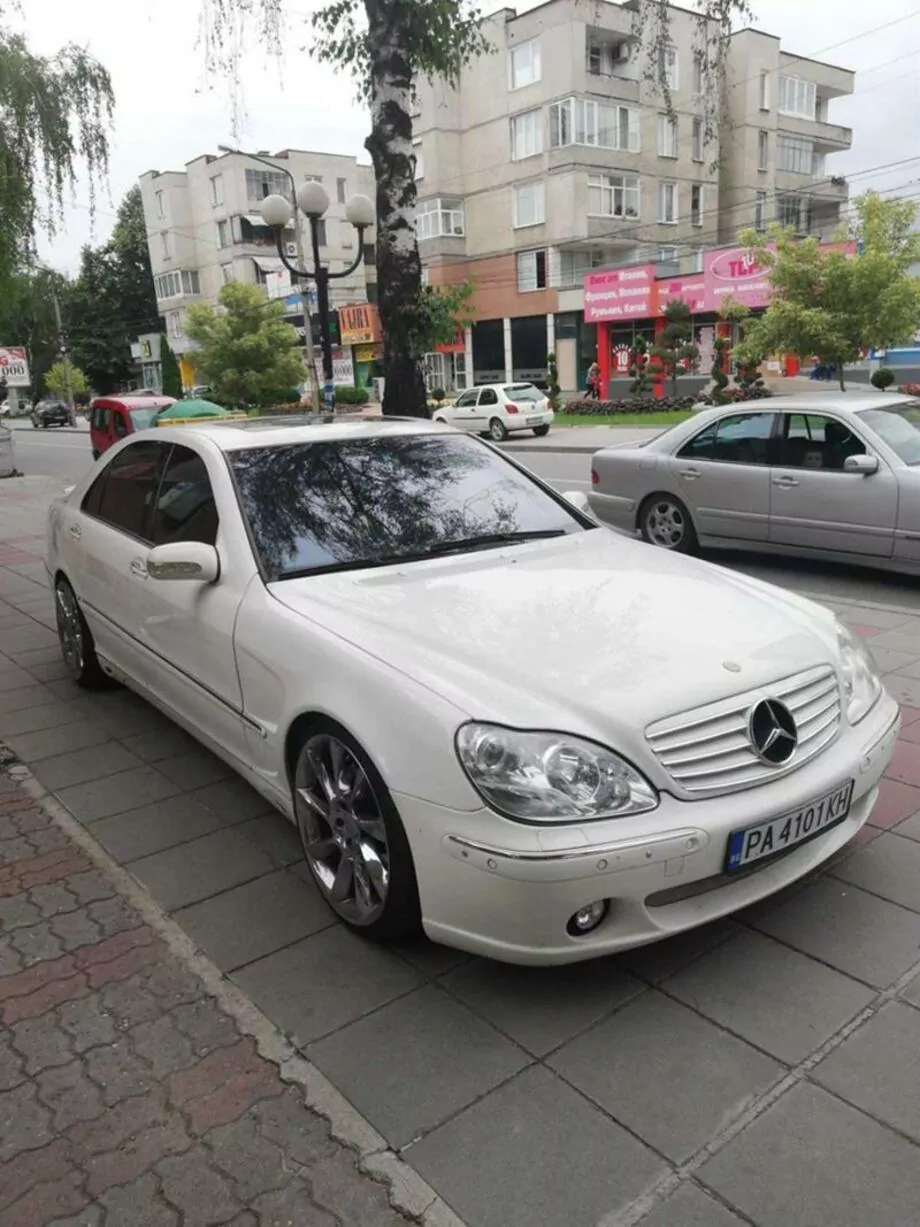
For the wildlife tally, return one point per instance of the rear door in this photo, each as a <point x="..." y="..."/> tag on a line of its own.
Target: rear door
<point x="723" y="476"/>
<point x="816" y="504"/>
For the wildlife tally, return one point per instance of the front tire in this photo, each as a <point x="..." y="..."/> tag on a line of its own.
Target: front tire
<point x="352" y="836"/>
<point x="498" y="431"/>
<point x="541" y="431"/>
<point x="77" y="644"/>
<point x="665" y="522"/>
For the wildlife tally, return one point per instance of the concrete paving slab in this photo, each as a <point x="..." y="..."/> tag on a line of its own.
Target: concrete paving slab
<point x="888" y="867"/>
<point x="772" y="996"/>
<point x="115" y="794"/>
<point x="197" y="870"/>
<point x="81" y="767"/>
<point x="232" y="801"/>
<point x="153" y="828"/>
<point x="276" y="836"/>
<point x="195" y="769"/>
<point x="691" y="1207"/>
<point x="910" y="828"/>
<point x="50" y="743"/>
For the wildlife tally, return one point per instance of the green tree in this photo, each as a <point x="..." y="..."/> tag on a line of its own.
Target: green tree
<point x="247" y="353"/>
<point x="27" y="318"/>
<point x="674" y="350"/>
<point x="56" y="380"/>
<point x="638" y="368"/>
<point x="170" y="378"/>
<point x="55" y="112"/>
<point x="831" y="306"/>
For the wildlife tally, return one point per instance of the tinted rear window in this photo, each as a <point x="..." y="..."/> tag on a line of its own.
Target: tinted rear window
<point x="523" y="391"/>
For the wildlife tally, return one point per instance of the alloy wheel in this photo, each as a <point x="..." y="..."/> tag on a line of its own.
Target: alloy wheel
<point x="666" y="524"/>
<point x="342" y="829"/>
<point x="70" y="628"/>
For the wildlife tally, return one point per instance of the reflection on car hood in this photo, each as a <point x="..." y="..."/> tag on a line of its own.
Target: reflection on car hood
<point x="593" y="629"/>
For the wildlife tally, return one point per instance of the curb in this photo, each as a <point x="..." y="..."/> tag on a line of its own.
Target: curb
<point x="407" y="1192"/>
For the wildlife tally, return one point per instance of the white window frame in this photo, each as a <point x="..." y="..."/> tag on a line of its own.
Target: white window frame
<point x="524" y="64"/>
<point x="174" y="323"/>
<point x="699" y="74"/>
<point x="535" y="190"/>
<point x="578" y="121"/>
<point x="763" y="149"/>
<point x="623" y="194"/>
<point x="797" y="96"/>
<point x="760" y="211"/>
<point x="522" y="263"/>
<point x="795" y="155"/>
<point x="226" y="273"/>
<point x="669" y="68"/>
<point x="159" y="202"/>
<point x="765" y="91"/>
<point x="526" y="135"/>
<point x="663" y="195"/>
<point x="341" y="190"/>
<point x="221" y="244"/>
<point x="580" y="262"/>
<point x="419" y="160"/>
<point x="191" y="282"/>
<point x="668" y="144"/>
<point x="697" y="142"/>
<point x="217" y="191"/>
<point x="700" y="189"/>
<point x="165" y="248"/>
<point x="440" y="217"/>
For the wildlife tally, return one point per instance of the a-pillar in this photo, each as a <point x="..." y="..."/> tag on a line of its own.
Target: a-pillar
<point x="509" y="357"/>
<point x="602" y="357"/>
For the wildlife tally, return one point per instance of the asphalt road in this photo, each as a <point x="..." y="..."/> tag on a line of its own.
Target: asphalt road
<point x="65" y="453"/>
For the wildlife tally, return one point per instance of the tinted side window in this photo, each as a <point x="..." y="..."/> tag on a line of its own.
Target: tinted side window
<point x="93" y="498"/>
<point x="98" y="419"/>
<point x="185" y="508"/>
<point x="489" y="397"/>
<point x="815" y="442"/>
<point x="740" y="439"/>
<point x="467" y="399"/>
<point x="131" y="487"/>
<point x="119" y="424"/>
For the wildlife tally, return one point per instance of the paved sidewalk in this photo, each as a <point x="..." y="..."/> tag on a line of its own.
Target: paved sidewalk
<point x="761" y="1071"/>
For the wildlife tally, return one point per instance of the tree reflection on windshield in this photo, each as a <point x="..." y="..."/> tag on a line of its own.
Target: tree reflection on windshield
<point x="316" y="505"/>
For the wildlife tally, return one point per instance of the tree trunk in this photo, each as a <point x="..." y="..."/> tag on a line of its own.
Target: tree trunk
<point x="840" y="377"/>
<point x="399" y="268"/>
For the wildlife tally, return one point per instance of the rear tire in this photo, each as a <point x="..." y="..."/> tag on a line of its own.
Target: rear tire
<point x="77" y="644"/>
<point x="541" y="431"/>
<point x="665" y="522"/>
<point x="498" y="431"/>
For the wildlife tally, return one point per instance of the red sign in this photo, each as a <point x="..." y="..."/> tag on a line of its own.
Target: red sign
<point x="456" y="346"/>
<point x="620" y="294"/>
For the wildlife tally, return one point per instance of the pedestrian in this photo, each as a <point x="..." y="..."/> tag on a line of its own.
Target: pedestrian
<point x="593" y="383"/>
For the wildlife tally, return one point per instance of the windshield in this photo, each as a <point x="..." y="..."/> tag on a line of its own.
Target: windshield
<point x="141" y="419"/>
<point x="898" y="425"/>
<point x="350" y="503"/>
<point x="523" y="391"/>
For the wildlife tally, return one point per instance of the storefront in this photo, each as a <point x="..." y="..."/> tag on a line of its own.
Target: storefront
<point x="361" y="339"/>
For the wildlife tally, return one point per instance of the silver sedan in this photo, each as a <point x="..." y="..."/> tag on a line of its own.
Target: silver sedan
<point x="826" y="475"/>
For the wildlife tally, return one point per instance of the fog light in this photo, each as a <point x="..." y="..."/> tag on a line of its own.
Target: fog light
<point x="586" y="919"/>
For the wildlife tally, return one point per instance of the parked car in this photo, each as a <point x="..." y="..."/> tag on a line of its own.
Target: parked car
<point x="113" y="418"/>
<point x="632" y="743"/>
<point x="497" y="409"/>
<point x="50" y="412"/>
<point x="831" y="476"/>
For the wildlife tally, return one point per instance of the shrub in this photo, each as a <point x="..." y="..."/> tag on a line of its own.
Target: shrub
<point x="438" y="395"/>
<point x="632" y="404"/>
<point x="882" y="378"/>
<point x="352" y="396"/>
<point x="910" y="389"/>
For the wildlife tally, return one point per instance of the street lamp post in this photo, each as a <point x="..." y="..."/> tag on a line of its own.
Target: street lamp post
<point x="313" y="202"/>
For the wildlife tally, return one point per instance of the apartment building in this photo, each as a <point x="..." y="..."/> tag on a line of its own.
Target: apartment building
<point x="204" y="229"/>
<point x="556" y="156"/>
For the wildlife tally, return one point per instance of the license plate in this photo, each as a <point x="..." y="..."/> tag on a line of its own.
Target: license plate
<point x="769" y="838"/>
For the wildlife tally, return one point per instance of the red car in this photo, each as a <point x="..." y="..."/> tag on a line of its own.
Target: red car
<point x="113" y="417"/>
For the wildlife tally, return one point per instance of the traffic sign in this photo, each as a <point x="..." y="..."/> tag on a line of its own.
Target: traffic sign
<point x="14" y="367"/>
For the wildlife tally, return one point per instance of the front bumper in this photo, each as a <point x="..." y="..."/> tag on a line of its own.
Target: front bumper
<point x="506" y="891"/>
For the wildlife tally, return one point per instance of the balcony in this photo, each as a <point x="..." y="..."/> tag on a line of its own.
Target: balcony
<point x="825" y="188"/>
<point x="827" y="138"/>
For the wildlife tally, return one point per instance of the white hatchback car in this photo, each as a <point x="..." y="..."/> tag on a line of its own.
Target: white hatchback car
<point x="497" y="409"/>
<point x="631" y="743"/>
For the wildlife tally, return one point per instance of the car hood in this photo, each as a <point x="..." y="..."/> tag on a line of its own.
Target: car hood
<point x="593" y="630"/>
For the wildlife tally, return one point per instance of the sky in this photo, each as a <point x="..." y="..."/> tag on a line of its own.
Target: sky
<point x="169" y="110"/>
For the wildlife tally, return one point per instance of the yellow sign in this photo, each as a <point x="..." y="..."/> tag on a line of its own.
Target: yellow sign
<point x="368" y="353"/>
<point x="359" y="325"/>
<point x="227" y="417"/>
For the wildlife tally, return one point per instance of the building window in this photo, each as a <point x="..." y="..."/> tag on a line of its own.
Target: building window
<point x="763" y="149"/>
<point x="524" y="64"/>
<point x="696" y="139"/>
<point x="436" y="218"/>
<point x="529" y="204"/>
<point x="419" y="160"/>
<point x="341" y="190"/>
<point x="223" y="234"/>
<point x="531" y="271"/>
<point x="613" y="195"/>
<point x="313" y="178"/>
<point x="574" y="264"/>
<point x="796" y="97"/>
<point x="160" y="205"/>
<point x="765" y="91"/>
<point x="696" y="204"/>
<point x="262" y="183"/>
<point x="174" y="323"/>
<point x="667" y="137"/>
<point x="797" y="155"/>
<point x="174" y="284"/>
<point x="580" y="121"/>
<point x="190" y="282"/>
<point x="320" y="224"/>
<point x="226" y="273"/>
<point x="794" y="211"/>
<point x="760" y="211"/>
<point x="668" y="74"/>
<point x="667" y="203"/>
<point x="699" y="73"/>
<point x="217" y="190"/>
<point x="165" y="250"/>
<point x="526" y="135"/>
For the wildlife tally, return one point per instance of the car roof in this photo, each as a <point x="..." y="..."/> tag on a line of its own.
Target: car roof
<point x="818" y="402"/>
<point x="132" y="402"/>
<point x="235" y="434"/>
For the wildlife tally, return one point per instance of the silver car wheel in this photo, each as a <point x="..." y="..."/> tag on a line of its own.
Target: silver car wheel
<point x="342" y="829"/>
<point x="666" y="524"/>
<point x="70" y="628"/>
<point x="497" y="430"/>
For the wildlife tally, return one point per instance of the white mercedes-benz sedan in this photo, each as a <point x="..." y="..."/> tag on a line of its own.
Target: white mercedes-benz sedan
<point x="486" y="714"/>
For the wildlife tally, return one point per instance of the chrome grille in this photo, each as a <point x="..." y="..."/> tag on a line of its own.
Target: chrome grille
<point x="708" y="751"/>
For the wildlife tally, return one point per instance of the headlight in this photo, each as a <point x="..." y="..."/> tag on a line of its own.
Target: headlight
<point x="861" y="682"/>
<point x="549" y="777"/>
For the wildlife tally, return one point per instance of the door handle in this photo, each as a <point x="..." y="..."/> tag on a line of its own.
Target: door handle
<point x="75" y="531"/>
<point x="785" y="483"/>
<point x="139" y="568"/>
<point x="690" y="474"/>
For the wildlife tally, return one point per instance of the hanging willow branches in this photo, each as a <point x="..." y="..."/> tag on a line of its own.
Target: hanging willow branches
<point x="55" y="113"/>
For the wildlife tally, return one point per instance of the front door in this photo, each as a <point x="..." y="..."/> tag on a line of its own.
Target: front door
<point x="815" y="504"/>
<point x="463" y="413"/>
<point x="723" y="476"/>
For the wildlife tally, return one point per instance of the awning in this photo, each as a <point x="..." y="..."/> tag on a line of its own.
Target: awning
<point x="268" y="264"/>
<point x="254" y="219"/>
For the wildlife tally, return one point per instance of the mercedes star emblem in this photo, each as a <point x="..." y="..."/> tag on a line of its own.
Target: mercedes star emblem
<point x="772" y="731"/>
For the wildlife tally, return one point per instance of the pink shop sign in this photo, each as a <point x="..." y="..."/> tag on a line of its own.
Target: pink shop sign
<point x="734" y="272"/>
<point x="619" y="294"/>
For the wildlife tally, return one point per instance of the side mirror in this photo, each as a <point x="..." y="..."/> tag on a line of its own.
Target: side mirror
<point x="579" y="501"/>
<point x="186" y="560"/>
<point x="864" y="465"/>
